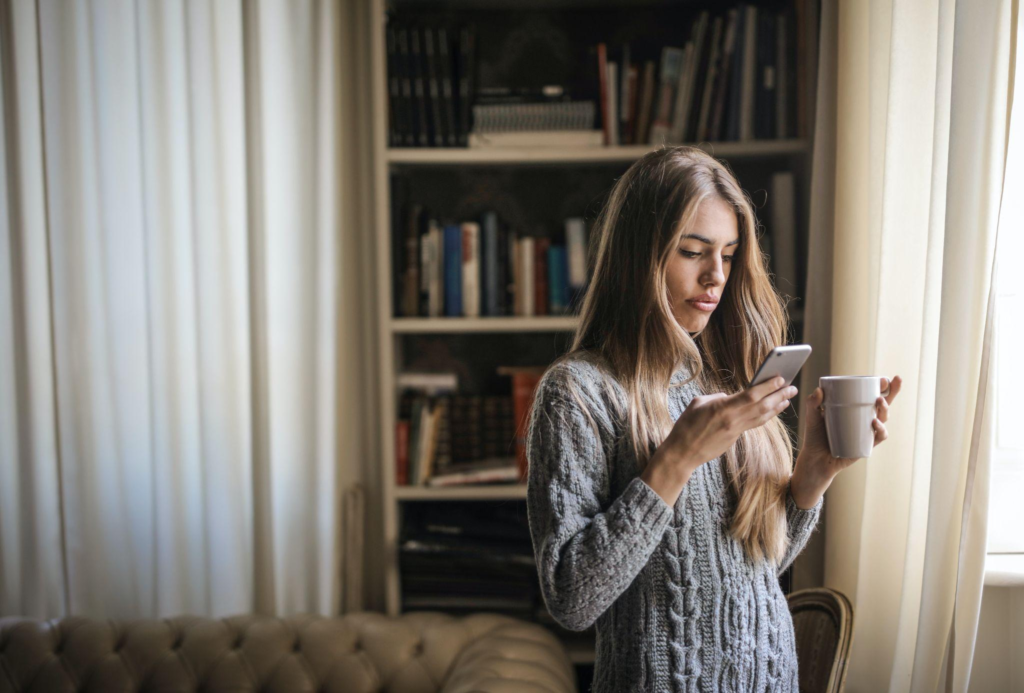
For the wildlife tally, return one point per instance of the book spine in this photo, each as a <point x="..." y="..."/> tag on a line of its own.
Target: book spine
<point x="411" y="269"/>
<point x="643" y="124"/>
<point x="782" y="76"/>
<point x="602" y="76"/>
<point x="491" y="276"/>
<point x="736" y="77"/>
<point x="434" y="83"/>
<point x="540" y="273"/>
<point x="419" y="89"/>
<point x="714" y="58"/>
<point x="436" y="300"/>
<point x="671" y="64"/>
<point x="749" y="85"/>
<point x="503" y="271"/>
<point x="556" y="279"/>
<point x="471" y="269"/>
<point x="402" y="453"/>
<point x="526" y="275"/>
<point x="514" y="305"/>
<point x="524" y="386"/>
<point x="405" y="76"/>
<point x="467" y="83"/>
<point x="448" y="105"/>
<point x="575" y="238"/>
<point x="716" y="124"/>
<point x="613" y="103"/>
<point x="453" y="270"/>
<point x="395" y="135"/>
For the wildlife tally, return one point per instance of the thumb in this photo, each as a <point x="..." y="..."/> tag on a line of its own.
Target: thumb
<point x="814" y="400"/>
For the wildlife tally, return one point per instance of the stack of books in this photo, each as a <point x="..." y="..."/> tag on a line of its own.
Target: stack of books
<point x="461" y="559"/>
<point x="483" y="267"/>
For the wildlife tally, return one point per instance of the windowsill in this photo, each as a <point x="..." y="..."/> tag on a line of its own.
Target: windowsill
<point x="1004" y="570"/>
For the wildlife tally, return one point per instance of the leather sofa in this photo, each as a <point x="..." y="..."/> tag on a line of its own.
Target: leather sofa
<point x="417" y="652"/>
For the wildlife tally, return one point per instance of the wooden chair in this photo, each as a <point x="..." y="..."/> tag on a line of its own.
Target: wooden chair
<point x="823" y="623"/>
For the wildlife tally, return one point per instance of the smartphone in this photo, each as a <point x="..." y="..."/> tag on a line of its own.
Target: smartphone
<point x="783" y="360"/>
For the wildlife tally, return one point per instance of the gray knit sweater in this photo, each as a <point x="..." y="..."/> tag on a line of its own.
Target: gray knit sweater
<point x="678" y="604"/>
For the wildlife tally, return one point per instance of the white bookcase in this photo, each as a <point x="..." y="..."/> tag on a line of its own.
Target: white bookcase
<point x="793" y="154"/>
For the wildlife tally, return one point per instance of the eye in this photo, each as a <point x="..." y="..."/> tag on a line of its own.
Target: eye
<point x="687" y="253"/>
<point x="727" y="257"/>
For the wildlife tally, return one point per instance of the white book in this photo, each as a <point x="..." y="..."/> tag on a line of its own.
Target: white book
<point x="536" y="138"/>
<point x="428" y="383"/>
<point x="575" y="239"/>
<point x="783" y="202"/>
<point x="471" y="269"/>
<point x="612" y="107"/>
<point x="526" y="278"/>
<point x="749" y="84"/>
<point x="713" y="68"/>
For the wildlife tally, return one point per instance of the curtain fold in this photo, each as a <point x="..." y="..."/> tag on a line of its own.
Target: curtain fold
<point x="920" y="124"/>
<point x="173" y="211"/>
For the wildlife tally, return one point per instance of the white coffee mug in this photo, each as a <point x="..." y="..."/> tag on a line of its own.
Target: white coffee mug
<point x="849" y="408"/>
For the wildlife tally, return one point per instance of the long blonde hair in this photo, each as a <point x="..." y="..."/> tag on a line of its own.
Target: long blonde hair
<point x="627" y="325"/>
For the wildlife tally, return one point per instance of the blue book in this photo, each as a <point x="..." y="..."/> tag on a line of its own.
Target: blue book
<point x="489" y="265"/>
<point x="558" y="286"/>
<point x="453" y="270"/>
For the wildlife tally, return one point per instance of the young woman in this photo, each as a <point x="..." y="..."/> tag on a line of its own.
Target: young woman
<point x="662" y="497"/>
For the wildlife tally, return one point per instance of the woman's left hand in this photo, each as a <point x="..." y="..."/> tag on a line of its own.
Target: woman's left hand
<point x="815" y="466"/>
<point x="815" y="448"/>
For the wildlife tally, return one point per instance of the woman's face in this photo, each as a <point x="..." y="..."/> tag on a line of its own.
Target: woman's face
<point x="700" y="267"/>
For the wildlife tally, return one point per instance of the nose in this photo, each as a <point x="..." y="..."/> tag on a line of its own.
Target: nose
<point x="713" y="274"/>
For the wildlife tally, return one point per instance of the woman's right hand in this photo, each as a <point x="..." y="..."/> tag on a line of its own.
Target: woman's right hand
<point x="712" y="423"/>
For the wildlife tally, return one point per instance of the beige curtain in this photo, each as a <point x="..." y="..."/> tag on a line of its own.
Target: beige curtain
<point x="909" y="163"/>
<point x="182" y="316"/>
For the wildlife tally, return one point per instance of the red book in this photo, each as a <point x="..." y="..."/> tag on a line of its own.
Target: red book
<point x="602" y="74"/>
<point x="402" y="453"/>
<point x="524" y="385"/>
<point x="540" y="275"/>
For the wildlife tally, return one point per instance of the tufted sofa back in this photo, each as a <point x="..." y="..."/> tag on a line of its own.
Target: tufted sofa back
<point x="419" y="652"/>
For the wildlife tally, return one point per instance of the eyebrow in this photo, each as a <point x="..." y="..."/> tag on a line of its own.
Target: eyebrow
<point x="708" y="240"/>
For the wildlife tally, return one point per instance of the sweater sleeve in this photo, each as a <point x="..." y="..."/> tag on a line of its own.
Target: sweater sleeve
<point x="800" y="525"/>
<point x="588" y="550"/>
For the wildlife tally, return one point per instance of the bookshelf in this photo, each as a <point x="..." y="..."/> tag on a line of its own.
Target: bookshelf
<point x="752" y="160"/>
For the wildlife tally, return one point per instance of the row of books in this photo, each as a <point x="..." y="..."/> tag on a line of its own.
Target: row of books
<point x="465" y="557"/>
<point x="485" y="268"/>
<point x="731" y="80"/>
<point x="443" y="438"/>
<point x="430" y="85"/>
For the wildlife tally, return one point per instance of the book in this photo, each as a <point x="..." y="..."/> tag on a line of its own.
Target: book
<point x="525" y="279"/>
<point x="541" y="244"/>
<point x="630" y="101"/>
<point x="765" y="96"/>
<point x="435" y="271"/>
<point x="510" y="473"/>
<point x="643" y="118"/>
<point x="489" y="254"/>
<point x="427" y="383"/>
<point x="453" y="270"/>
<point x="471" y="269"/>
<point x="434" y="88"/>
<point x="576" y="250"/>
<point x="713" y="68"/>
<point x="735" y="85"/>
<point x="411" y="262"/>
<point x="419" y="88"/>
<point x="537" y="138"/>
<point x="448" y="105"/>
<point x="405" y="81"/>
<point x="557" y="284"/>
<point x="395" y="123"/>
<point x="671" y="64"/>
<point x="748" y="87"/>
<point x="717" y="126"/>
<point x="467" y="83"/>
<point x="783" y="230"/>
<point x="612" y="114"/>
<point x="782" y="79"/>
<point x="524" y="386"/>
<point x="692" y="61"/>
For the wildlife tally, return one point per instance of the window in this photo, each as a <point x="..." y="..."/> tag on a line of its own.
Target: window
<point x="1006" y="497"/>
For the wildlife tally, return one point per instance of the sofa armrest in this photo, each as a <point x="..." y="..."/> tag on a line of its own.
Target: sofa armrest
<point x="513" y="656"/>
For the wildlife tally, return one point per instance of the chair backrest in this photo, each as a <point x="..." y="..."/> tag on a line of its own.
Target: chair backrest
<point x="823" y="623"/>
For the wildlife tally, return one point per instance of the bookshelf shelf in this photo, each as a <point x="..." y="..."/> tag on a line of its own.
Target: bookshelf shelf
<point x="491" y="324"/>
<point x="481" y="492"/>
<point x="596" y="155"/>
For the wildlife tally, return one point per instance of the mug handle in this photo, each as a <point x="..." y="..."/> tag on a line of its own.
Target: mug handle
<point x="888" y="387"/>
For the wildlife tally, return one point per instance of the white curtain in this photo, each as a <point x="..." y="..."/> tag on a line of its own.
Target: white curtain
<point x="178" y="259"/>
<point x="909" y="175"/>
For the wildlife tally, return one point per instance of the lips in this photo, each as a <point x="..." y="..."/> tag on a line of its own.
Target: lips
<point x="705" y="302"/>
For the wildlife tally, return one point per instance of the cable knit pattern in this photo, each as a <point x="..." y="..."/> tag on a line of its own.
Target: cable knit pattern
<point x="677" y="604"/>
